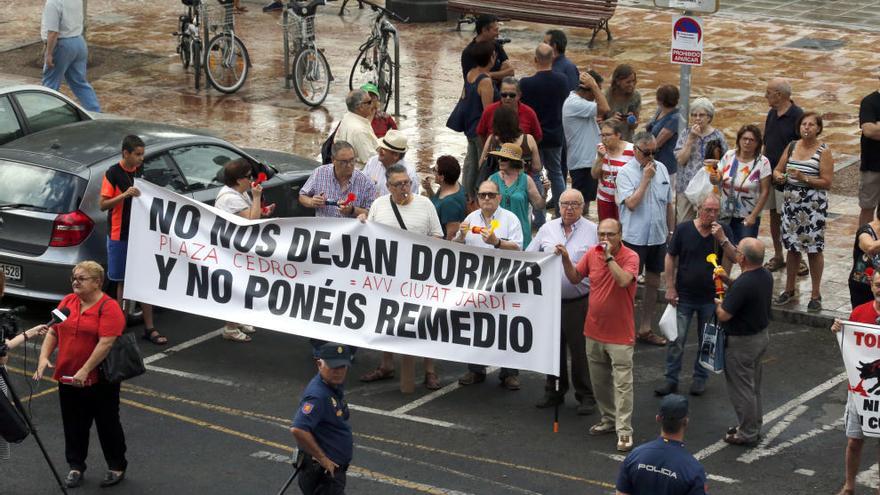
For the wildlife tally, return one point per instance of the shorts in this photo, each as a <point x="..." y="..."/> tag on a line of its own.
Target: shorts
<point x="853" y="426"/>
<point x="582" y="180"/>
<point x="774" y="201"/>
<point x="869" y="190"/>
<point x="607" y="209"/>
<point x="650" y="257"/>
<point x="116" y="253"/>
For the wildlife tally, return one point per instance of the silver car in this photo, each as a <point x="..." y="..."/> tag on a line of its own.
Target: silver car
<point x="28" y="108"/>
<point x="50" y="184"/>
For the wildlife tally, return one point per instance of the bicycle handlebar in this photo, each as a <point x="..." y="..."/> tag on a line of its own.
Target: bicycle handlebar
<point x="385" y="11"/>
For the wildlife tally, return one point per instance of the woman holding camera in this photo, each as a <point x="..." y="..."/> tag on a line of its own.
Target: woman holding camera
<point x="83" y="341"/>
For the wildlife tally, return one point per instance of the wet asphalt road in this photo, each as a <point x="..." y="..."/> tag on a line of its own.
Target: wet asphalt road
<point x="214" y="418"/>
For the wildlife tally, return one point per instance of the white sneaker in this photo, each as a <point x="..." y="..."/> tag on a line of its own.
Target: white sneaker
<point x="624" y="443"/>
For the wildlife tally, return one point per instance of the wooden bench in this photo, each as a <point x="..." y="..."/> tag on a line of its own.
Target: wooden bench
<point x="592" y="14"/>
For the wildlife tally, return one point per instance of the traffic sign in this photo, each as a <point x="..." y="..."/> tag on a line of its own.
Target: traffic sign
<point x="702" y="6"/>
<point x="687" y="40"/>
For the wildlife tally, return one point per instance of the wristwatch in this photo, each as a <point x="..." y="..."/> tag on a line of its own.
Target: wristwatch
<point x="609" y="259"/>
<point x="498" y="244"/>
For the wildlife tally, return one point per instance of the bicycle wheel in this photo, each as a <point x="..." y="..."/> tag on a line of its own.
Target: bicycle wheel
<point x="363" y="70"/>
<point x="227" y="62"/>
<point x="386" y="81"/>
<point x="197" y="61"/>
<point x="311" y="76"/>
<point x="183" y="48"/>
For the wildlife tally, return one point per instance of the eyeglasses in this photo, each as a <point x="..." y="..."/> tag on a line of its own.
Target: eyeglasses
<point x="367" y="102"/>
<point x="402" y="183"/>
<point x="80" y="279"/>
<point x="248" y="176"/>
<point x="508" y="95"/>
<point x="487" y="195"/>
<point x="646" y="153"/>
<point x="344" y="163"/>
<point x="607" y="134"/>
<point x="699" y="115"/>
<point x="606" y="234"/>
<point x="570" y="204"/>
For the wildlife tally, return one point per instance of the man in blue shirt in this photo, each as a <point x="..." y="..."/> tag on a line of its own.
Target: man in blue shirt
<point x="663" y="466"/>
<point x="561" y="64"/>
<point x="321" y="425"/>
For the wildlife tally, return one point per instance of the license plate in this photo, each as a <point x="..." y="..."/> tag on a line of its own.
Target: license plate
<point x="12" y="272"/>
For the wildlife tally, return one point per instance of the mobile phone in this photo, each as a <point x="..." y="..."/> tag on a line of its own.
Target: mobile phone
<point x="67" y="380"/>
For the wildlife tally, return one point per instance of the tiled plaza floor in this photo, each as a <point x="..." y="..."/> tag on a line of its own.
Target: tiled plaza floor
<point x="743" y="51"/>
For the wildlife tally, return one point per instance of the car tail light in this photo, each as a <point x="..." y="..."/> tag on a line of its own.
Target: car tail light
<point x="70" y="229"/>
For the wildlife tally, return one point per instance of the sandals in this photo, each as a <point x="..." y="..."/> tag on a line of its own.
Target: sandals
<point x="248" y="329"/>
<point x="784" y="298"/>
<point x="235" y="335"/>
<point x="775" y="264"/>
<point x="651" y="338"/>
<point x="602" y="428"/>
<point x="378" y="374"/>
<point x="431" y="381"/>
<point x="803" y="269"/>
<point x="154" y="336"/>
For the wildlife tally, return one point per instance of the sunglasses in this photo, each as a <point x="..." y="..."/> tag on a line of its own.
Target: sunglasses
<point x="508" y="95"/>
<point x="646" y="153"/>
<point x="486" y="195"/>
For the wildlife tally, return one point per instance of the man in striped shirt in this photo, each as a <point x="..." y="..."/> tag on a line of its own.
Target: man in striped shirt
<point x="330" y="185"/>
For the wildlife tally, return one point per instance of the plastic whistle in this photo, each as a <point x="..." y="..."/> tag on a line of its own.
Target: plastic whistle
<point x="343" y="203"/>
<point x="494" y="224"/>
<point x="261" y="177"/>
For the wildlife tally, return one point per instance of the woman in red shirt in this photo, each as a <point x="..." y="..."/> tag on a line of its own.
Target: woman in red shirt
<point x="83" y="341"/>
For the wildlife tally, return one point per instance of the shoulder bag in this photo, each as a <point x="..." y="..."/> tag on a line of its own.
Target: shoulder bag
<point x="396" y="212"/>
<point x="124" y="360"/>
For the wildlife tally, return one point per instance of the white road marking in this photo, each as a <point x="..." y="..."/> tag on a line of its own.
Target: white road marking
<point x="407" y="417"/>
<point x="435" y="395"/>
<point x="805" y="472"/>
<point x="182" y="346"/>
<point x="868" y="477"/>
<point x="774" y="432"/>
<point x="409" y="461"/>
<point x="192" y="376"/>
<point x="755" y="454"/>
<point x="779" y="411"/>
<point x="621" y="457"/>
<point x="365" y="474"/>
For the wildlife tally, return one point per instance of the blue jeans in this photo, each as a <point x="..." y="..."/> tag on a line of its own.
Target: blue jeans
<point x="675" y="349"/>
<point x="70" y="57"/>
<point x="551" y="159"/>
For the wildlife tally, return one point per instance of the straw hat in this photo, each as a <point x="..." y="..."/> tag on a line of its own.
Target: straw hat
<point x="393" y="140"/>
<point x="509" y="151"/>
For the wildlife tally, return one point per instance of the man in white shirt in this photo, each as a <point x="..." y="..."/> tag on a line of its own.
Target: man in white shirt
<point x="578" y="235"/>
<point x="355" y="127"/>
<point x="392" y="148"/>
<point x="66" y="50"/>
<point x="477" y="230"/>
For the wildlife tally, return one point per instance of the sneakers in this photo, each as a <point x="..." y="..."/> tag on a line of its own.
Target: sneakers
<point x="273" y="6"/>
<point x="815" y="305"/>
<point x="666" y="389"/>
<point x="471" y="378"/>
<point x="698" y="387"/>
<point x="624" y="443"/>
<point x="601" y="428"/>
<point x="510" y="383"/>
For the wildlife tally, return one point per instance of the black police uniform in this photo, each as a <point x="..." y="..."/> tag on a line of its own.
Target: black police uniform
<point x="324" y="413"/>
<point x="661" y="467"/>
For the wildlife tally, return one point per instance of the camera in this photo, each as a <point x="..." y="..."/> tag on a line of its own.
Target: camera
<point x="8" y="326"/>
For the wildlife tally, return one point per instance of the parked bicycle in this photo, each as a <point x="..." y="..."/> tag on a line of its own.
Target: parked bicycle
<point x="310" y="72"/>
<point x="374" y="64"/>
<point x="224" y="59"/>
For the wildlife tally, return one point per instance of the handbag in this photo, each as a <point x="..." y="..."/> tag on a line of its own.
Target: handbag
<point x="712" y="347"/>
<point x="457" y="120"/>
<point x="124" y="360"/>
<point x="327" y="146"/>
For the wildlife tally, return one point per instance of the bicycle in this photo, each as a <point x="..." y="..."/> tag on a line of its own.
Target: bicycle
<point x="310" y="73"/>
<point x="224" y="60"/>
<point x="374" y="64"/>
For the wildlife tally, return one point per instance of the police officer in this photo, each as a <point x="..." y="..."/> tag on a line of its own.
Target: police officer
<point x="321" y="425"/>
<point x="664" y="467"/>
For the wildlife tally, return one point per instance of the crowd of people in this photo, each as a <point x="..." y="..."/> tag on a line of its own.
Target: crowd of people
<point x="665" y="199"/>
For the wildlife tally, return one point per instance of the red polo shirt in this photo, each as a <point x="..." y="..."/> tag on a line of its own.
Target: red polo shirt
<point x="79" y="334"/>
<point x="528" y="121"/>
<point x="864" y="313"/>
<point x="610" y="317"/>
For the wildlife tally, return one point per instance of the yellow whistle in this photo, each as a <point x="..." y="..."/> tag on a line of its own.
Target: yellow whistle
<point x="713" y="259"/>
<point x="494" y="224"/>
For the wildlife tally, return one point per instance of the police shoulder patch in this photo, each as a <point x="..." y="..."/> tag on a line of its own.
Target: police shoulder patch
<point x="307" y="408"/>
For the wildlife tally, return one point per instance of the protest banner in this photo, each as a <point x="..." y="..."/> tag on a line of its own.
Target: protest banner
<point x="341" y="280"/>
<point x="860" y="348"/>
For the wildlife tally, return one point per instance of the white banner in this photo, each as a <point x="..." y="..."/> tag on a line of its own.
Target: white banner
<point x="340" y="280"/>
<point x="860" y="348"/>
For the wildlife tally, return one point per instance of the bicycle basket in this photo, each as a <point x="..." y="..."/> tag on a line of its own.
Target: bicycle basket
<point x="219" y="17"/>
<point x="301" y="27"/>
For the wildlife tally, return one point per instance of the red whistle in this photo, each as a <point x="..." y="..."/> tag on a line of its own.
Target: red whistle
<point x="261" y="177"/>
<point x="348" y="199"/>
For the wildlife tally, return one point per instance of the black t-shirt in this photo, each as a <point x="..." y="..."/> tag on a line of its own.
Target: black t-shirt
<point x="545" y="92"/>
<point x="869" y="111"/>
<point x="748" y="300"/>
<point x="693" y="280"/>
<point x="468" y="63"/>
<point x="779" y="131"/>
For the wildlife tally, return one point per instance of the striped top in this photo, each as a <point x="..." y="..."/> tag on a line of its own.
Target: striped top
<point x="809" y="167"/>
<point x="610" y="166"/>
